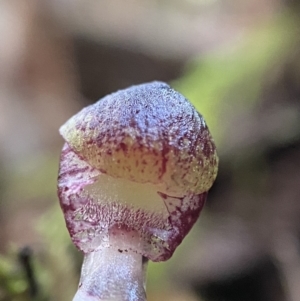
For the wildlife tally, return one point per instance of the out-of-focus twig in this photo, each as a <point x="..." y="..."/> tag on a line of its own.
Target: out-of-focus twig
<point x="25" y="257"/>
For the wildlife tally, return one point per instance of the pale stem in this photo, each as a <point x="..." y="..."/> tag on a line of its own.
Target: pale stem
<point x="112" y="275"/>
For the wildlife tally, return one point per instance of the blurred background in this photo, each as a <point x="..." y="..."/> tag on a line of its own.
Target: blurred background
<point x="237" y="61"/>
